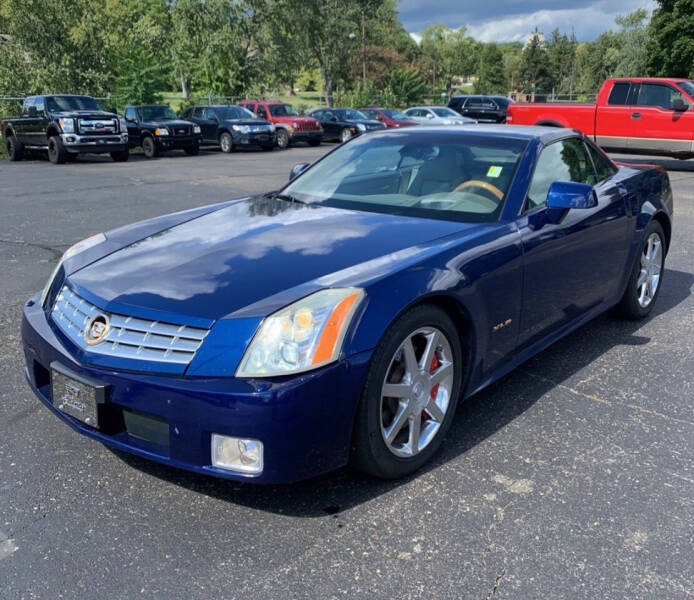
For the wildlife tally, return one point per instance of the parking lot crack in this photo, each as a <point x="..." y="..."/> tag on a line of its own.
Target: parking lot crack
<point x="57" y="253"/>
<point x="600" y="400"/>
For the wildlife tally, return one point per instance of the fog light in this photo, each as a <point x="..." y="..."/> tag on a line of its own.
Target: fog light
<point x="237" y="454"/>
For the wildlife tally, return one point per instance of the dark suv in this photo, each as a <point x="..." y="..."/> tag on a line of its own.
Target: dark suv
<point x="157" y="128"/>
<point x="231" y="127"/>
<point x="484" y="109"/>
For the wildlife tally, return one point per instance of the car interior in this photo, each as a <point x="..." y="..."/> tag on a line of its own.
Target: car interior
<point x="444" y="177"/>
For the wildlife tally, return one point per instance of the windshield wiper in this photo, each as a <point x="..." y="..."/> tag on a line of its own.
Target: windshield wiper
<point x="286" y="198"/>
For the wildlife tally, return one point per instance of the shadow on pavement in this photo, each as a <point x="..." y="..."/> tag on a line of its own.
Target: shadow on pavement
<point x="477" y="419"/>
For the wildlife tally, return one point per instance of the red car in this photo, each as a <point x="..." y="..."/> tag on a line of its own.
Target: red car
<point x="637" y="115"/>
<point x="290" y="126"/>
<point x="390" y="117"/>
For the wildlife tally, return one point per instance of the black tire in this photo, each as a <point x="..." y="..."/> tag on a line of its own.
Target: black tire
<point x="369" y="451"/>
<point x="629" y="306"/>
<point x="121" y="156"/>
<point x="15" y="148"/>
<point x="149" y="148"/>
<point x="314" y="143"/>
<point x="267" y="148"/>
<point x="226" y="142"/>
<point x="282" y="139"/>
<point x="193" y="150"/>
<point x="56" y="151"/>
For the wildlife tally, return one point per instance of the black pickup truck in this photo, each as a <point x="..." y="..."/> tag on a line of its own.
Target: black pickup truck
<point x="65" y="126"/>
<point x="157" y="128"/>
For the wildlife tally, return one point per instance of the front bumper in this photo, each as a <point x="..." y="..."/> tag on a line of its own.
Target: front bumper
<point x="306" y="136"/>
<point x="177" y="142"/>
<point x="256" y="138"/>
<point x="304" y="422"/>
<point x="77" y="144"/>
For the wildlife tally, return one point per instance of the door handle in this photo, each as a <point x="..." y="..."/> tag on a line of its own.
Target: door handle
<point x="635" y="115"/>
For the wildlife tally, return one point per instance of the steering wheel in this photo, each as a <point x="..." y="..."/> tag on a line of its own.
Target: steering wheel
<point x="492" y="189"/>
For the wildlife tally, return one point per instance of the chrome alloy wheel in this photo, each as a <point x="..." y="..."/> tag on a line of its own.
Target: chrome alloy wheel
<point x="649" y="273"/>
<point x="345" y="135"/>
<point x="416" y="391"/>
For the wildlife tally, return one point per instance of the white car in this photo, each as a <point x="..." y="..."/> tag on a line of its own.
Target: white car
<point x="437" y="115"/>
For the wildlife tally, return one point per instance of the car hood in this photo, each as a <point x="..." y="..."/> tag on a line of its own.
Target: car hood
<point x="245" y="122"/>
<point x="166" y="123"/>
<point x="296" y="119"/>
<point x="245" y="253"/>
<point x="85" y="114"/>
<point x="370" y="123"/>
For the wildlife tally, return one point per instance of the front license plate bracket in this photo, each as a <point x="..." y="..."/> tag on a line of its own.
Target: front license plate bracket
<point x="76" y="395"/>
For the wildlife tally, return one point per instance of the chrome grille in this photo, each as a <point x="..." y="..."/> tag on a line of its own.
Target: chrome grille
<point x="181" y="129"/>
<point x="98" y="126"/>
<point x="128" y="337"/>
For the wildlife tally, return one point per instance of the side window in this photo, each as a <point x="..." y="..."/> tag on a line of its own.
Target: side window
<point x="565" y="160"/>
<point x="619" y="94"/>
<point x="186" y="113"/>
<point x="318" y="114"/>
<point x="603" y="167"/>
<point x="197" y="112"/>
<point x="262" y="113"/>
<point x="38" y="103"/>
<point x="656" y="94"/>
<point x="130" y="114"/>
<point x="27" y="103"/>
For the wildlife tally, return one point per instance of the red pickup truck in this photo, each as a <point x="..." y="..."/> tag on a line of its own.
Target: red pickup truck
<point x="635" y="115"/>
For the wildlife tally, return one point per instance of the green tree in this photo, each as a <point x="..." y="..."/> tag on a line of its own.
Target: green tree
<point x="670" y="48"/>
<point x="535" y="74"/>
<point x="631" y="58"/>
<point x="561" y="54"/>
<point x="490" y="73"/>
<point x="403" y="87"/>
<point x="447" y="53"/>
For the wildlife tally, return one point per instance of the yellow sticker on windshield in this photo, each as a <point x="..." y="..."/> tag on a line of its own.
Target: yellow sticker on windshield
<point x="494" y="171"/>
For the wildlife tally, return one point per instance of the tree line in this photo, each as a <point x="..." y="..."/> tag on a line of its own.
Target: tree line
<point x="351" y="51"/>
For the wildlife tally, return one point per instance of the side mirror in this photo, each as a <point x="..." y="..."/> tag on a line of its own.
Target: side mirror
<point x="430" y="116"/>
<point x="679" y="105"/>
<point x="214" y="118"/>
<point x="113" y="110"/>
<point x="32" y="111"/>
<point x="333" y="119"/>
<point x="130" y="120"/>
<point x="298" y="170"/>
<point x="565" y="195"/>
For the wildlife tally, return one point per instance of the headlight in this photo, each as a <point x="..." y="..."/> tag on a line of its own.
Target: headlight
<point x="85" y="244"/>
<point x="361" y="127"/>
<point x="196" y="129"/>
<point x="67" y="125"/>
<point x="241" y="128"/>
<point x="123" y="125"/>
<point x="160" y="131"/>
<point x="303" y="336"/>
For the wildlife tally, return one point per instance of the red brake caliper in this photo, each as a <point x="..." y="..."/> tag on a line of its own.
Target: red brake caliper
<point x="435" y="363"/>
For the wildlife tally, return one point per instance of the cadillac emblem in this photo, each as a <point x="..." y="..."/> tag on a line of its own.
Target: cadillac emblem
<point x="96" y="330"/>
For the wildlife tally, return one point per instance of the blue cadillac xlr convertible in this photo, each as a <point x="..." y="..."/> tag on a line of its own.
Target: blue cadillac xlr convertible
<point x="343" y="318"/>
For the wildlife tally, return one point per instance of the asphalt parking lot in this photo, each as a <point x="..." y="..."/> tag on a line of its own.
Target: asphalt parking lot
<point x="573" y="477"/>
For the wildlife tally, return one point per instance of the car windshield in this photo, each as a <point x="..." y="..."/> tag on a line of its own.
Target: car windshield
<point x="461" y="177"/>
<point x="233" y="112"/>
<point x="443" y="111"/>
<point x="281" y="110"/>
<point x="66" y="103"/>
<point x="156" y="113"/>
<point x="688" y="87"/>
<point x="391" y="113"/>
<point x="349" y="113"/>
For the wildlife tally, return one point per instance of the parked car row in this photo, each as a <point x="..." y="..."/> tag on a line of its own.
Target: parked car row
<point x="68" y="125"/>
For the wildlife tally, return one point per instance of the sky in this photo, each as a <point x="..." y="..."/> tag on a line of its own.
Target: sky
<point x="513" y="20"/>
